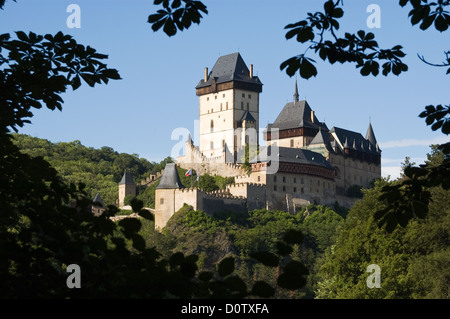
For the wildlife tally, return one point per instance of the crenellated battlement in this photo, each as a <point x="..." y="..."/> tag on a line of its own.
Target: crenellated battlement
<point x="245" y="184"/>
<point x="216" y="195"/>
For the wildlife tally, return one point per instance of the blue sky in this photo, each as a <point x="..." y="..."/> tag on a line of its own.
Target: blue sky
<point x="157" y="93"/>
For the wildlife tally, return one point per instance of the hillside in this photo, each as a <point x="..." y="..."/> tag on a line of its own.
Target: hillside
<point x="100" y="169"/>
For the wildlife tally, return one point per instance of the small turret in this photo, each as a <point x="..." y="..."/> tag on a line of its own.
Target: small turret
<point x="126" y="187"/>
<point x="370" y="135"/>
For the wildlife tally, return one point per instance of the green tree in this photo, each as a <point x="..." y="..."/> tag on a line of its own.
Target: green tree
<point x="411" y="257"/>
<point x="207" y="183"/>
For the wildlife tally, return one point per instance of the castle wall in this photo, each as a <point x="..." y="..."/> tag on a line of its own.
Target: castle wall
<point x="285" y="189"/>
<point x="169" y="201"/>
<point x="351" y="171"/>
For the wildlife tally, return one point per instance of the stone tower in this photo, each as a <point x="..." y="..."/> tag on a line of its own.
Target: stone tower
<point x="126" y="187"/>
<point x="229" y="106"/>
<point x="165" y="195"/>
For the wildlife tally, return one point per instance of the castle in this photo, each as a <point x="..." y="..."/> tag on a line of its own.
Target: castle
<point x="302" y="162"/>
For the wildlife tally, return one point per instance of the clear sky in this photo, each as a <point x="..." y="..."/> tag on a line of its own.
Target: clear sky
<point x="157" y="93"/>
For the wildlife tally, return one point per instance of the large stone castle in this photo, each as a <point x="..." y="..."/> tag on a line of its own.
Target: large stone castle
<point x="302" y="162"/>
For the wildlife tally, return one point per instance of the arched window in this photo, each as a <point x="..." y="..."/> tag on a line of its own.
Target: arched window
<point x="212" y="125"/>
<point x="337" y="172"/>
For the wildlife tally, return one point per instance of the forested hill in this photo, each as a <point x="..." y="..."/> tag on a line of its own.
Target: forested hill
<point x="100" y="169"/>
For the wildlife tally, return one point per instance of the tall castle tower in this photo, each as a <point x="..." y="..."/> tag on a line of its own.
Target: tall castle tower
<point x="229" y="107"/>
<point x="126" y="187"/>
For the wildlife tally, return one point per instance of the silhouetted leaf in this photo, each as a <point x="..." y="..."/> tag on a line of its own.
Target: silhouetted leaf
<point x="130" y="225"/>
<point x="236" y="284"/>
<point x="138" y="242"/>
<point x="291" y="281"/>
<point x="296" y="267"/>
<point x="188" y="269"/>
<point x="262" y="289"/>
<point x="226" y="267"/>
<point x="146" y="214"/>
<point x="205" y="276"/>
<point x="176" y="259"/>
<point x="283" y="249"/>
<point x="440" y="23"/>
<point x="266" y="258"/>
<point x="136" y="205"/>
<point x="293" y="237"/>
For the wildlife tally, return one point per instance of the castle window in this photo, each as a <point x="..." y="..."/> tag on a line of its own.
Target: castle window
<point x="284" y="179"/>
<point x="243" y="94"/>
<point x="212" y="110"/>
<point x="275" y="187"/>
<point x="161" y="201"/>
<point x="212" y="126"/>
<point x="215" y="97"/>
<point x="259" y="178"/>
<point x="249" y="96"/>
<point x="211" y="145"/>
<point x="223" y="143"/>
<point x="207" y="99"/>
<point x="223" y="95"/>
<point x="295" y="189"/>
<point x="275" y="178"/>
<point x="227" y="105"/>
<point x="295" y="180"/>
<point x="303" y="181"/>
<point x="284" y="188"/>
<point x="302" y="190"/>
<point x="221" y="106"/>
<point x="292" y="142"/>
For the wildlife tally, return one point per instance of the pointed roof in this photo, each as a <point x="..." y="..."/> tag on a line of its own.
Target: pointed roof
<point x="296" y="92"/>
<point x="170" y="178"/>
<point x="230" y="67"/>
<point x="370" y="135"/>
<point x="351" y="139"/>
<point x="320" y="138"/>
<point x="296" y="115"/>
<point x="248" y="117"/>
<point x="378" y="148"/>
<point x="346" y="145"/>
<point x="335" y="147"/>
<point x="98" y="199"/>
<point x="127" y="179"/>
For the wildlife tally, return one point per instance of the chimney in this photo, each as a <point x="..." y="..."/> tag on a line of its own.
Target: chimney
<point x="206" y="74"/>
<point x="312" y="116"/>
<point x="251" y="71"/>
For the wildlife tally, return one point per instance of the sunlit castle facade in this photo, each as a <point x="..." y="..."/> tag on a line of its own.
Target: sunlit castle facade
<point x="303" y="161"/>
